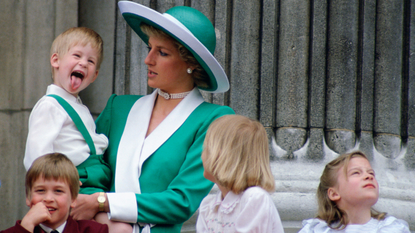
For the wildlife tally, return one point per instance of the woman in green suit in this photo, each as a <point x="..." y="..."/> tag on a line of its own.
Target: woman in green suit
<point x="155" y="141"/>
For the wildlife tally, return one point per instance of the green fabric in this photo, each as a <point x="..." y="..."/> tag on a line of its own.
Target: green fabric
<point x="118" y="111"/>
<point x="94" y="173"/>
<point x="195" y="21"/>
<point x="172" y="182"/>
<point x="77" y="121"/>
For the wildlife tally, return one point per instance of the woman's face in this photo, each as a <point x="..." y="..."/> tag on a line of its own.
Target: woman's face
<point x="166" y="69"/>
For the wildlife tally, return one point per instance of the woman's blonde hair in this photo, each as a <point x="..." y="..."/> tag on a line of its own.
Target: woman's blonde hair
<point x="237" y="154"/>
<point x="199" y="75"/>
<point x="327" y="209"/>
<point x="78" y="36"/>
<point x="55" y="166"/>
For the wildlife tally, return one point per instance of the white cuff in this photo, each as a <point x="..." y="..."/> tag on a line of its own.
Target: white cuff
<point x="123" y="207"/>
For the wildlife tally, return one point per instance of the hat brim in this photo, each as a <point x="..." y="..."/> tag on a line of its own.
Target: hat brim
<point x="135" y="14"/>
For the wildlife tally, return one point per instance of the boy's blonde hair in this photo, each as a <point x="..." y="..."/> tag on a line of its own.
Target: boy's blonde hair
<point x="327" y="209"/>
<point x="199" y="75"/>
<point x="54" y="166"/>
<point x="237" y="154"/>
<point x="78" y="36"/>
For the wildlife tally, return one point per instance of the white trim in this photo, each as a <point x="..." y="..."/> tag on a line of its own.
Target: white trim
<point x="134" y="148"/>
<point x="127" y="170"/>
<point x="174" y="20"/>
<point x="170" y="124"/>
<point x="123" y="207"/>
<point x="164" y="21"/>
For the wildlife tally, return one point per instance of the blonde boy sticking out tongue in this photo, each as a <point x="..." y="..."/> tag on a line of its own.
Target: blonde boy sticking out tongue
<point x="59" y="122"/>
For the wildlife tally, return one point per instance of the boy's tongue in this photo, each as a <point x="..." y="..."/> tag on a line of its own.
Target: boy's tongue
<point x="75" y="81"/>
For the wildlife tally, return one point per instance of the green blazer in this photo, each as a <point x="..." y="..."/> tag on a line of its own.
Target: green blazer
<point x="171" y="179"/>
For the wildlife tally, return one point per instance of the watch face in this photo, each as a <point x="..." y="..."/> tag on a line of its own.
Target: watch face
<point x="101" y="199"/>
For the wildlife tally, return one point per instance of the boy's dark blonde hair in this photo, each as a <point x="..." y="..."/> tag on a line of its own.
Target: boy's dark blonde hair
<point x="327" y="209"/>
<point x="78" y="36"/>
<point x="237" y="154"/>
<point x="199" y="75"/>
<point x="55" y="166"/>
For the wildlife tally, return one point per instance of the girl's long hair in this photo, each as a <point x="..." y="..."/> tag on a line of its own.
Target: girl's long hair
<point x="327" y="209"/>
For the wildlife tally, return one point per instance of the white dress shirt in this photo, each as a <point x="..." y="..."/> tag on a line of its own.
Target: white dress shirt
<point x="250" y="211"/>
<point x="52" y="130"/>
<point x="48" y="229"/>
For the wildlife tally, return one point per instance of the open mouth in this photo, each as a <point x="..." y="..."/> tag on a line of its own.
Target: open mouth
<point x="78" y="74"/>
<point x="76" y="79"/>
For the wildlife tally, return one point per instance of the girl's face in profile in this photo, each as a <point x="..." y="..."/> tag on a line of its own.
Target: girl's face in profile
<point x="357" y="187"/>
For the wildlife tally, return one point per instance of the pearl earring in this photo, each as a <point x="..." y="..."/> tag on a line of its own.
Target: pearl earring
<point x="189" y="71"/>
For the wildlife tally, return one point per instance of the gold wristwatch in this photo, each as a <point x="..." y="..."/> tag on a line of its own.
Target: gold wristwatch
<point x="101" y="201"/>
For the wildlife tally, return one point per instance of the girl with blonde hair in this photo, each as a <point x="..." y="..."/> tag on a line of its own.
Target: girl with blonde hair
<point x="347" y="191"/>
<point x="236" y="157"/>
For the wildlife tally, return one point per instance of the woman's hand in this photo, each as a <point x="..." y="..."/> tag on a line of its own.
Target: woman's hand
<point x="86" y="207"/>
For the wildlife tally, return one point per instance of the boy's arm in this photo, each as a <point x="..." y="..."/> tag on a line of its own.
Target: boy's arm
<point x="37" y="214"/>
<point x="45" y="123"/>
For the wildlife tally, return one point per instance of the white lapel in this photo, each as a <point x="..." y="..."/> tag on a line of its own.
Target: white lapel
<point x="135" y="148"/>
<point x="171" y="123"/>
<point x="129" y="148"/>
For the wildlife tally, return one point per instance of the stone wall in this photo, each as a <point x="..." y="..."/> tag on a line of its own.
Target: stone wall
<point x="27" y="31"/>
<point x="324" y="77"/>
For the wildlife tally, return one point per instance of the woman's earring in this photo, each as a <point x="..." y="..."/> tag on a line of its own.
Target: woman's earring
<point x="189" y="71"/>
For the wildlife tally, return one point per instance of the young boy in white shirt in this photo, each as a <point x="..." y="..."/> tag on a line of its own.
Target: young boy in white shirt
<point x="59" y="122"/>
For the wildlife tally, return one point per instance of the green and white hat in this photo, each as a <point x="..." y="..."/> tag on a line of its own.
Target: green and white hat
<point x="188" y="26"/>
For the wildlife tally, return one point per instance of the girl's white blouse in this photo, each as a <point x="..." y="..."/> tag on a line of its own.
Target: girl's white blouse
<point x="250" y="211"/>
<point x="389" y="225"/>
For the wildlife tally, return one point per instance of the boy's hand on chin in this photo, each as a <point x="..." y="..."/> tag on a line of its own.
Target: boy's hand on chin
<point x="38" y="213"/>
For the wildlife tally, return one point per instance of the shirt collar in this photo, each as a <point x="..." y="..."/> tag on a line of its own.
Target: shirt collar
<point x="48" y="229"/>
<point x="54" y="89"/>
<point x="228" y="203"/>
